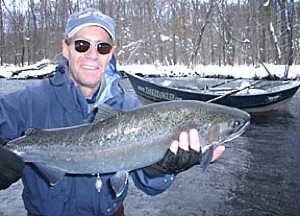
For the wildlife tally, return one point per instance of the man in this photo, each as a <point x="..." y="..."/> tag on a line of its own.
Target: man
<point x="85" y="78"/>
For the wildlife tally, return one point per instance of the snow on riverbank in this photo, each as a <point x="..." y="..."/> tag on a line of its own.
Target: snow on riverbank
<point x="239" y="71"/>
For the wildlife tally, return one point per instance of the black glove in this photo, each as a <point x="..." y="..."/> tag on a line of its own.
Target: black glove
<point x="174" y="164"/>
<point x="3" y="141"/>
<point x="11" y="168"/>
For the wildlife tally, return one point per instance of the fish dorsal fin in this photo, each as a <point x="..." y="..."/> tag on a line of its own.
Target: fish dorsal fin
<point x="106" y="112"/>
<point x="51" y="174"/>
<point x="31" y="131"/>
<point x="118" y="182"/>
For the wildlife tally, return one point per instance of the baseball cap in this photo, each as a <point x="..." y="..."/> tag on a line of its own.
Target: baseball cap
<point x="89" y="17"/>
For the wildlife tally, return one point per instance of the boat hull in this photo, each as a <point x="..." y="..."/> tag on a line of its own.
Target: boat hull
<point x="257" y="102"/>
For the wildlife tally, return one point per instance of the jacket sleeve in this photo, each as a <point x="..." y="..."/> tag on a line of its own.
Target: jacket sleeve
<point x="13" y="109"/>
<point x="151" y="186"/>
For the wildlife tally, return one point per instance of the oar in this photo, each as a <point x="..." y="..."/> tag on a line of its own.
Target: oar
<point x="233" y="92"/>
<point x="222" y="83"/>
<point x="216" y="85"/>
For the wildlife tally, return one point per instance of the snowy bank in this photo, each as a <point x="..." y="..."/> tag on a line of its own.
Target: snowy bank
<point x="45" y="67"/>
<point x="238" y="71"/>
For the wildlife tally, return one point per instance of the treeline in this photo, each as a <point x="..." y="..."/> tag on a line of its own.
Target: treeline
<point x="161" y="31"/>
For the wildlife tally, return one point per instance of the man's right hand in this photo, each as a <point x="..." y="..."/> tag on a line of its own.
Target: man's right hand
<point x="182" y="155"/>
<point x="11" y="168"/>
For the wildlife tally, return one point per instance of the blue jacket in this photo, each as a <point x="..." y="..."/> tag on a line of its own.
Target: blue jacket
<point x="56" y="102"/>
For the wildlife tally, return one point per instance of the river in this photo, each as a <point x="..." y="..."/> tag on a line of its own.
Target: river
<point x="259" y="174"/>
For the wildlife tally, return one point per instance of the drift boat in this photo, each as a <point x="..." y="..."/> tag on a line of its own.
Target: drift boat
<point x="247" y="94"/>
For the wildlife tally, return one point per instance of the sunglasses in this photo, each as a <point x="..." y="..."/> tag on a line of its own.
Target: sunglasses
<point x="82" y="46"/>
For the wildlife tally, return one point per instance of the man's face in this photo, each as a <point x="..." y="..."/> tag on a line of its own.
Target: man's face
<point x="87" y="68"/>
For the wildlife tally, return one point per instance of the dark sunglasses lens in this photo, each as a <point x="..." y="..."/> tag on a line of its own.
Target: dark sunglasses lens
<point x="104" y="48"/>
<point x="82" y="46"/>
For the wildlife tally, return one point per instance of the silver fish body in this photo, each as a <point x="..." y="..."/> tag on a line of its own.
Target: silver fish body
<point x="126" y="141"/>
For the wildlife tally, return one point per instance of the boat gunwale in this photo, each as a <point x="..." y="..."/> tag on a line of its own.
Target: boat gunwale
<point x="294" y="84"/>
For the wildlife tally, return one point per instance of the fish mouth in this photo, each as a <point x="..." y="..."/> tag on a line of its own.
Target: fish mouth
<point x="238" y="132"/>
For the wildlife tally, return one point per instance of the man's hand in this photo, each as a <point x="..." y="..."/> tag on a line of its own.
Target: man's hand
<point x="11" y="168"/>
<point x="190" y="141"/>
<point x="182" y="155"/>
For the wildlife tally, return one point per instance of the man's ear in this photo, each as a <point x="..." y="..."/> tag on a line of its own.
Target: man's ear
<point x="65" y="49"/>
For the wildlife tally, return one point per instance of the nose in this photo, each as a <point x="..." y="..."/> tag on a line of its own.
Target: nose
<point x="92" y="52"/>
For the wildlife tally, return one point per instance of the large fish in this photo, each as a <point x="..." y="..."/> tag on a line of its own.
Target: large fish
<point x="123" y="141"/>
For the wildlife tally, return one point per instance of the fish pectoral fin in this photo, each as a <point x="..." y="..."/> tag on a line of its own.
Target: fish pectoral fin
<point x="51" y="174"/>
<point x="106" y="112"/>
<point x="206" y="149"/>
<point x="118" y="182"/>
<point x="206" y="158"/>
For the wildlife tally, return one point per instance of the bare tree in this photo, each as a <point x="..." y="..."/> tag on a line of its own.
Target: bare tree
<point x="2" y="40"/>
<point x="201" y="32"/>
<point x="186" y="32"/>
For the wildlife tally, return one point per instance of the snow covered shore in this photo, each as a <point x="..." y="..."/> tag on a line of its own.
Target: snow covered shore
<point x="239" y="71"/>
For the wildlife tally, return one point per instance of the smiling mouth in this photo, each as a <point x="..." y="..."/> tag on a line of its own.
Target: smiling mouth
<point x="90" y="67"/>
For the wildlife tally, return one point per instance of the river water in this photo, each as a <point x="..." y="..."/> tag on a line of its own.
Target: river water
<point x="259" y="174"/>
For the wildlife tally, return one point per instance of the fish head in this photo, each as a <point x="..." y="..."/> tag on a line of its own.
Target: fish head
<point x="216" y="123"/>
<point x="223" y="124"/>
<point x="227" y="129"/>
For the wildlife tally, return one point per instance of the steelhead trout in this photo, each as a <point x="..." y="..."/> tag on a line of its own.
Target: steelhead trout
<point x="124" y="141"/>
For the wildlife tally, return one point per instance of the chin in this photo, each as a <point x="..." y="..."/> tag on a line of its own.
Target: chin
<point x="92" y="84"/>
<point x="92" y="78"/>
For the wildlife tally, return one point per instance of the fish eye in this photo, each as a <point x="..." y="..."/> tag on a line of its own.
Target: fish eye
<point x="236" y="123"/>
